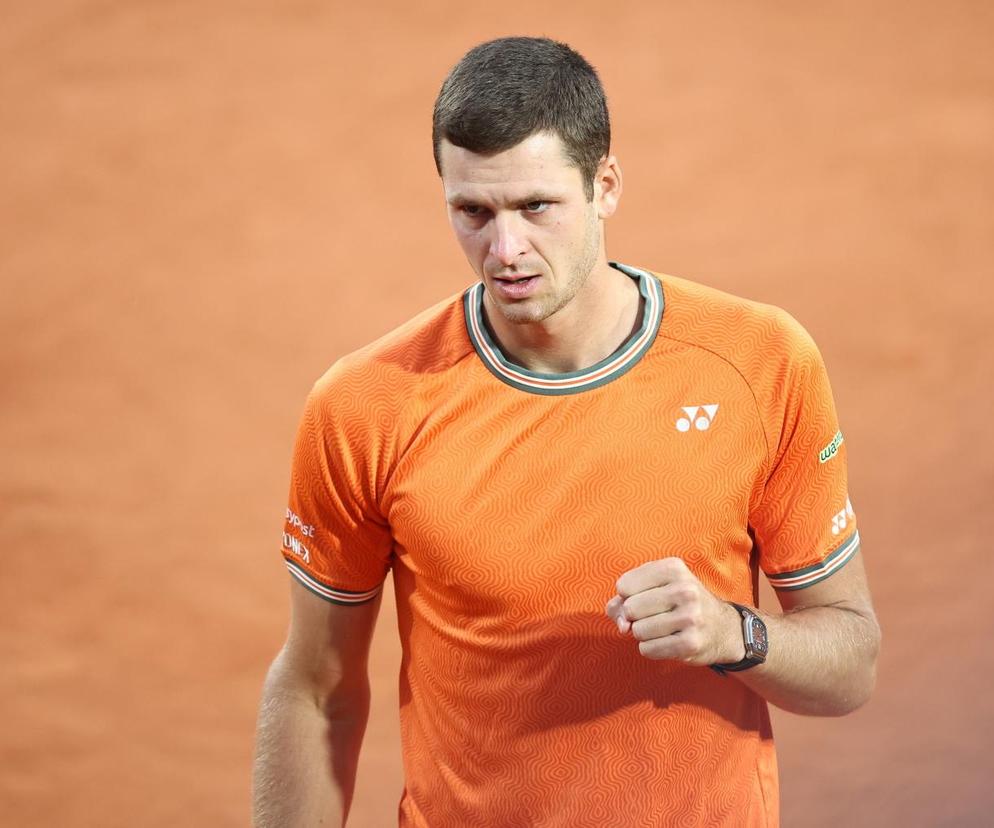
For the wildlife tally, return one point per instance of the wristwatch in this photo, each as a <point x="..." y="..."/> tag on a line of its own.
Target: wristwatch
<point x="757" y="644"/>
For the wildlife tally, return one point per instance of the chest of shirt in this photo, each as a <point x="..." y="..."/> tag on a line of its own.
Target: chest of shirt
<point x="497" y="486"/>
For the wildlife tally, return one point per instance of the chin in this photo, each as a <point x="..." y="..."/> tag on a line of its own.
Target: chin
<point x="524" y="313"/>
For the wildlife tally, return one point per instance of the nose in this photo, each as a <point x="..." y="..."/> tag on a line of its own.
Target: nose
<point x="507" y="242"/>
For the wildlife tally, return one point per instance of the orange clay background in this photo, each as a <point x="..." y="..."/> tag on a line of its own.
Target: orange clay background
<point x="202" y="205"/>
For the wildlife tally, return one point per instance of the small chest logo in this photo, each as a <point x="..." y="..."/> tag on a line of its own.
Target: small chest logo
<point x="697" y="416"/>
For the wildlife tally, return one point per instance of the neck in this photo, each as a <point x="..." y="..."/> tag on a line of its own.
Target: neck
<point x="592" y="326"/>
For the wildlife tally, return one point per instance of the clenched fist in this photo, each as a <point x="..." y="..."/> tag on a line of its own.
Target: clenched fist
<point x="672" y="615"/>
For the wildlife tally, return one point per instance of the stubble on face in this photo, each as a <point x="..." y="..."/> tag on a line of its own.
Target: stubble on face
<point x="541" y="308"/>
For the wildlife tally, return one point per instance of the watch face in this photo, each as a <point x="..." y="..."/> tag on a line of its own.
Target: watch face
<point x="757" y="636"/>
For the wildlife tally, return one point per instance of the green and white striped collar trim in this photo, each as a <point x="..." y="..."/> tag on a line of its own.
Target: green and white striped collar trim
<point x="573" y="382"/>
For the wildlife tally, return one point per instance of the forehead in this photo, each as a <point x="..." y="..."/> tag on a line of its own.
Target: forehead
<point x="536" y="165"/>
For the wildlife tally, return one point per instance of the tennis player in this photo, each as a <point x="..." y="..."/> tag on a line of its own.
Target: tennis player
<point x="576" y="470"/>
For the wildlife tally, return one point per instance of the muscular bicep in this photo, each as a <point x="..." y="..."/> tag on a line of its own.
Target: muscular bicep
<point x="847" y="588"/>
<point x="327" y="647"/>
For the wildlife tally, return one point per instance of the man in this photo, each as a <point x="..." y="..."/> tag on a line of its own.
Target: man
<point x="569" y="433"/>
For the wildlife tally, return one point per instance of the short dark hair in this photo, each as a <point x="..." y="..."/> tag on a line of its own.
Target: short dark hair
<point x="505" y="90"/>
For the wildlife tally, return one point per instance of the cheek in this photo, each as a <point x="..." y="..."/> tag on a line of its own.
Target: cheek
<point x="469" y="239"/>
<point x="474" y="245"/>
<point x="568" y="240"/>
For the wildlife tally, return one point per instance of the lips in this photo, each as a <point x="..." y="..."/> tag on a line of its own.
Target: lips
<point x="516" y="285"/>
<point x="516" y="277"/>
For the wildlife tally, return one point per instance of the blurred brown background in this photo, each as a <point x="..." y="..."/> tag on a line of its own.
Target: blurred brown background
<point x="202" y="205"/>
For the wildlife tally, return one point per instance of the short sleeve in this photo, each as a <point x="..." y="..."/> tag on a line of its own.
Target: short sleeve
<point x="804" y="523"/>
<point x="335" y="541"/>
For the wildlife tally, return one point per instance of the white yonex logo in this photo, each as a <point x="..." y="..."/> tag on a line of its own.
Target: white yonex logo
<point x="702" y="422"/>
<point x="292" y="544"/>
<point x="841" y="520"/>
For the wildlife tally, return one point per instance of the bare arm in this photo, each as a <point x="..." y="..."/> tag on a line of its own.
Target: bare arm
<point x="315" y="703"/>
<point x="824" y="663"/>
<point x="823" y="648"/>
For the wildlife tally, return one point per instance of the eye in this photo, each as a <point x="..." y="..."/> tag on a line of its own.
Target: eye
<point x="471" y="210"/>
<point x="537" y="206"/>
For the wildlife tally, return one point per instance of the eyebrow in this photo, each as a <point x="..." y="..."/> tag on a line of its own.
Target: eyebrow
<point x="461" y="200"/>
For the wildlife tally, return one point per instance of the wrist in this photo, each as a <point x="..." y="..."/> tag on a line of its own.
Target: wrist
<point x="755" y="642"/>
<point x="734" y="649"/>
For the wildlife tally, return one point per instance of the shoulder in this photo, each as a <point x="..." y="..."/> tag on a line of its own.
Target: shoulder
<point x="392" y="367"/>
<point x="757" y="339"/>
<point x="366" y="404"/>
<point x="764" y="346"/>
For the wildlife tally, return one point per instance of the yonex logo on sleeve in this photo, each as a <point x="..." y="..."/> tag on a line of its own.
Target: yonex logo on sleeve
<point x="292" y="544"/>
<point x="701" y="421"/>
<point x="831" y="449"/>
<point x="841" y="520"/>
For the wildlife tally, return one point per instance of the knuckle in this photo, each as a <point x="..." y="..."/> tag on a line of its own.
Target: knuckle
<point x="666" y="566"/>
<point x="659" y="571"/>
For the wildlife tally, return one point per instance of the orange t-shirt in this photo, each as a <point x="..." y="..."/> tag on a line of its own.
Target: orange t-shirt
<point x="507" y="504"/>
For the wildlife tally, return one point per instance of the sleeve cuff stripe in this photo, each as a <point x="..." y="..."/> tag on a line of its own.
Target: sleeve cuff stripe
<point x="813" y="574"/>
<point x="339" y="596"/>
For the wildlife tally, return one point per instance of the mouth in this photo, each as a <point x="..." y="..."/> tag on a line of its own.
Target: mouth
<point x="516" y="285"/>
<point x="516" y="278"/>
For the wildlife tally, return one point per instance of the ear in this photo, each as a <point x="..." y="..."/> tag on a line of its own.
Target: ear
<point x="607" y="187"/>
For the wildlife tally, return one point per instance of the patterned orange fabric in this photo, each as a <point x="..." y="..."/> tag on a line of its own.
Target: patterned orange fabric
<point x="507" y="504"/>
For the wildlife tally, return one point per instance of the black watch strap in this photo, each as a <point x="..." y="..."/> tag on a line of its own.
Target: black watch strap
<point x="734" y="667"/>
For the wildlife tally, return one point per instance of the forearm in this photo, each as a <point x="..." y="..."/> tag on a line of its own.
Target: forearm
<point x="822" y="660"/>
<point x="822" y="650"/>
<point x="307" y="748"/>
